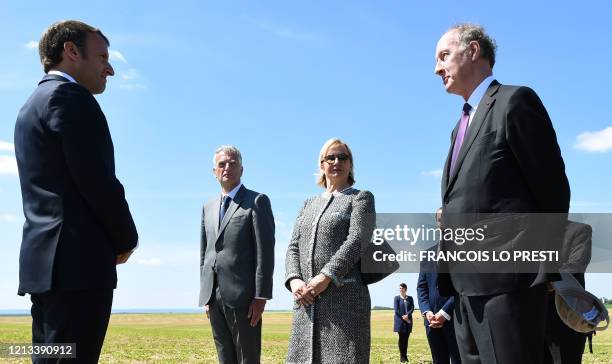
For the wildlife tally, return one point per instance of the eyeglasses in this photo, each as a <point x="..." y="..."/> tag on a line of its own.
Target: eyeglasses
<point x="331" y="158"/>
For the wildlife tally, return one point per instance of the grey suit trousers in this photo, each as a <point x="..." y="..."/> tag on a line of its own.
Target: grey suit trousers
<point x="237" y="342"/>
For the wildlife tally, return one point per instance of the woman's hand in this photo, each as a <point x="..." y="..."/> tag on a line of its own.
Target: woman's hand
<point x="318" y="284"/>
<point x="300" y="292"/>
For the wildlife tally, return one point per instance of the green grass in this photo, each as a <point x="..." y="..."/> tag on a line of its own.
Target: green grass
<point x="187" y="338"/>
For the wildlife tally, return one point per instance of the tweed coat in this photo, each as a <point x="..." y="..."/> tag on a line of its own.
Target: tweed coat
<point x="328" y="237"/>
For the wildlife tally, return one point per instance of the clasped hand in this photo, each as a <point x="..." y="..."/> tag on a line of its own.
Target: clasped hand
<point x="435" y="321"/>
<point x="305" y="294"/>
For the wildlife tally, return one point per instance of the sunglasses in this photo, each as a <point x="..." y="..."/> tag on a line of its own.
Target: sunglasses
<point x="331" y="158"/>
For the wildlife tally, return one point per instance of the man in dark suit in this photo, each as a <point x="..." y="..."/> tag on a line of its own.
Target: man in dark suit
<point x="437" y="312"/>
<point x="403" y="307"/>
<point x="564" y="345"/>
<point x="78" y="224"/>
<point x="503" y="158"/>
<point x="236" y="261"/>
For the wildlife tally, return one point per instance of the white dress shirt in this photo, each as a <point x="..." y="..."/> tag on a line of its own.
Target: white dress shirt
<point x="63" y="74"/>
<point x="477" y="95"/>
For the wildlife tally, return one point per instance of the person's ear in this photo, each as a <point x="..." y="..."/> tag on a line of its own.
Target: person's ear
<point x="474" y="50"/>
<point x="71" y="51"/>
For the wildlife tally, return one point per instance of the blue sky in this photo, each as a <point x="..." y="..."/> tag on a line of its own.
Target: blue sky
<point x="277" y="79"/>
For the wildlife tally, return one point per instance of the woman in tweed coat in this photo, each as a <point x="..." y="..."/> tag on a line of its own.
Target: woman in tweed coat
<point x="331" y="314"/>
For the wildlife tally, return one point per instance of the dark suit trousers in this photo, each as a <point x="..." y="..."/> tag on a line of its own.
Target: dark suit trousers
<point x="79" y="317"/>
<point x="236" y="341"/>
<point x="443" y="344"/>
<point x="563" y="345"/>
<point x="402" y="342"/>
<point x="505" y="328"/>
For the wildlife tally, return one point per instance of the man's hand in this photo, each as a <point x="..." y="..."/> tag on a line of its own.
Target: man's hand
<point x="206" y="309"/>
<point x="318" y="284"/>
<point x="431" y="318"/>
<point x="440" y="320"/>
<point x="123" y="257"/>
<point x="256" y="310"/>
<point x="300" y="293"/>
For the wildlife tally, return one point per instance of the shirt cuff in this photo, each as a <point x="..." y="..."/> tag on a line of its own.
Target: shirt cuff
<point x="262" y="298"/>
<point x="446" y="316"/>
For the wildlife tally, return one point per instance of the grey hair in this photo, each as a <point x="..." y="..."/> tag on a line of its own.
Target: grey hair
<point x="467" y="33"/>
<point x="228" y="149"/>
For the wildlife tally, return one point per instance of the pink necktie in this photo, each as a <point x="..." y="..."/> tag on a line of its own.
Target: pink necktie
<point x="463" y="125"/>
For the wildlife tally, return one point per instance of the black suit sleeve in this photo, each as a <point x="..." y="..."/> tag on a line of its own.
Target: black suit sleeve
<point x="76" y="118"/>
<point x="533" y="142"/>
<point x="423" y="292"/>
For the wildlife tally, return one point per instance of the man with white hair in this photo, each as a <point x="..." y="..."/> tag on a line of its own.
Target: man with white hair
<point x="236" y="261"/>
<point x="503" y="159"/>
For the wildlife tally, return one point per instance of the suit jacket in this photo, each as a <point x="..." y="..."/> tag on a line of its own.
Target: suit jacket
<point x="400" y="308"/>
<point x="240" y="249"/>
<point x="77" y="218"/>
<point x="576" y="252"/>
<point x="564" y="344"/>
<point x="428" y="295"/>
<point x="510" y="162"/>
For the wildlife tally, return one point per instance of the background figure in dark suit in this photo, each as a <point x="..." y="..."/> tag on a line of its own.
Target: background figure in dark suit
<point x="236" y="261"/>
<point x="565" y="346"/>
<point x="403" y="305"/>
<point x="78" y="224"/>
<point x="437" y="310"/>
<point x="503" y="158"/>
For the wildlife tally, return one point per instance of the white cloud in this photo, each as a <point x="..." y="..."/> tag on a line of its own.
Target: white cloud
<point x="115" y="55"/>
<point x="595" y="141"/>
<point x="129" y="74"/>
<point x="433" y="173"/>
<point x="8" y="165"/>
<point x="7" y="147"/>
<point x="8" y="218"/>
<point x="31" y="45"/>
<point x="151" y="261"/>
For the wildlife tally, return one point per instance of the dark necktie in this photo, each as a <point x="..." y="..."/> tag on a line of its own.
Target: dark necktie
<point x="463" y="125"/>
<point x="224" y="205"/>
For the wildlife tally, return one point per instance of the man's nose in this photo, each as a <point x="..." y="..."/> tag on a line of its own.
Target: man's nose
<point x="109" y="70"/>
<point x="438" y="68"/>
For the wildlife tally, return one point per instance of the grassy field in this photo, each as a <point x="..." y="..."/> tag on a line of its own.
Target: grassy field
<point x="187" y="338"/>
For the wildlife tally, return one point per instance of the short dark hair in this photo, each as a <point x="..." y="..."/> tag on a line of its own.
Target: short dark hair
<point x="51" y="43"/>
<point x="403" y="285"/>
<point x="471" y="32"/>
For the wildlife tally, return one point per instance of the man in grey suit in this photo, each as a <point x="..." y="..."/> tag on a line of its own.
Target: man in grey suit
<point x="236" y="261"/>
<point x="503" y="159"/>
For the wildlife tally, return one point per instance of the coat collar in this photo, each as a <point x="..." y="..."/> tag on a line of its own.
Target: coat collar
<point x="48" y="77"/>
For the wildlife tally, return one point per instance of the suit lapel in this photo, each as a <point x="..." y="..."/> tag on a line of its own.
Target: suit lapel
<point x="445" y="173"/>
<point x="234" y="204"/>
<point x="215" y="215"/>
<point x="481" y="112"/>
